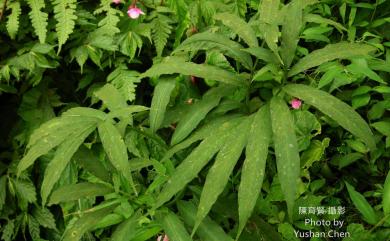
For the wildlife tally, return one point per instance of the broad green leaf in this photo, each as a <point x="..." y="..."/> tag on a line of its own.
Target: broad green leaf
<point x="198" y="112"/>
<point x="219" y="173"/>
<point x="50" y="135"/>
<point x="127" y="229"/>
<point x="240" y="27"/>
<point x="85" y="112"/>
<point x="208" y="229"/>
<point x="315" y="18"/>
<point x="383" y="127"/>
<point x="80" y="190"/>
<point x="194" y="163"/>
<point x="173" y="227"/>
<point x="90" y="162"/>
<point x="253" y="170"/>
<point x="172" y="65"/>
<point x="291" y="29"/>
<point x="115" y="149"/>
<point x="342" y="113"/>
<point x="286" y="151"/>
<point x="386" y="195"/>
<point x="269" y="18"/>
<point x="362" y="205"/>
<point x="160" y="101"/>
<point x="111" y="97"/>
<point x="263" y="54"/>
<point x="211" y="41"/>
<point x="62" y="157"/>
<point x="330" y="52"/>
<point x="87" y="221"/>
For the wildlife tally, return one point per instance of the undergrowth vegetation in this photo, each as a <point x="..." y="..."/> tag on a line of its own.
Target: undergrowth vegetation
<point x="209" y="120"/>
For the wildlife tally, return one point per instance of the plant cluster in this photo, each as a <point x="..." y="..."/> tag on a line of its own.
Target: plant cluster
<point x="180" y="120"/>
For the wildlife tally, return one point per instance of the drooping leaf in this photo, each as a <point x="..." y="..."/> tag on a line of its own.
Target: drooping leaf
<point x="342" y="113"/>
<point x="330" y="52"/>
<point x="386" y="195"/>
<point x="173" y="227"/>
<point x="253" y="170"/>
<point x="269" y="14"/>
<point x="161" y="29"/>
<point x="286" y="151"/>
<point x="38" y="18"/>
<point x="194" y="163"/>
<point x="239" y="26"/>
<point x="213" y="41"/>
<point x="197" y="113"/>
<point x="161" y="97"/>
<point x="291" y="28"/>
<point x="85" y="223"/>
<point x="13" y="19"/>
<point x="64" y="13"/>
<point x="362" y="205"/>
<point x="219" y="173"/>
<point x="80" y="190"/>
<point x="208" y="229"/>
<point x="62" y="157"/>
<point x="173" y="65"/>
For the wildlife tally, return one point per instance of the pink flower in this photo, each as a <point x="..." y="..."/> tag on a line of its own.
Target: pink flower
<point x="116" y="1"/>
<point x="296" y="103"/>
<point x="134" y="12"/>
<point x="159" y="238"/>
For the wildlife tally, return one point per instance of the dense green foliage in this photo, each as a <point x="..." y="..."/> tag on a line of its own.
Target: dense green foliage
<point x="183" y="122"/>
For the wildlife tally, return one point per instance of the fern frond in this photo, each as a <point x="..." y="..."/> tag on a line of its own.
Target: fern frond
<point x="160" y="32"/>
<point x="38" y="18"/>
<point x="108" y="25"/>
<point x="125" y="81"/>
<point x="64" y="13"/>
<point x="13" y="19"/>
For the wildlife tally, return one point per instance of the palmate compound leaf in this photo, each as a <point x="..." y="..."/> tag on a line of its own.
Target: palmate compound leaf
<point x="173" y="227"/>
<point x="253" y="170"/>
<point x="337" y="110"/>
<point x="218" y="175"/>
<point x="286" y="150"/>
<point x="174" y="65"/>
<point x="330" y="52"/>
<point x="62" y="157"/>
<point x="160" y="101"/>
<point x="198" y="112"/>
<point x="208" y="229"/>
<point x="240" y="27"/>
<point x="195" y="161"/>
<point x="213" y="41"/>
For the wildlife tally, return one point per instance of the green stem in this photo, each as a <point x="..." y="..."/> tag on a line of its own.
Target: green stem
<point x="380" y="222"/>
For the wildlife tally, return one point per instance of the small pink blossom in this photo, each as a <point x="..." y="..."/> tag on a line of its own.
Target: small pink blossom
<point x="160" y="238"/>
<point x="116" y="1"/>
<point x="296" y="103"/>
<point x="134" y="12"/>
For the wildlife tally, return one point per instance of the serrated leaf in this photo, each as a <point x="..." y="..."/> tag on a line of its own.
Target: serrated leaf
<point x="161" y="30"/>
<point x="330" y="52"/>
<point x="286" y="151"/>
<point x="269" y="14"/>
<point x="174" y="65"/>
<point x="194" y="163"/>
<point x="33" y="228"/>
<point x="8" y="230"/>
<point x="240" y="27"/>
<point x="25" y="190"/>
<point x="197" y="113"/>
<point x="80" y="190"/>
<point x="218" y="175"/>
<point x="64" y="13"/>
<point x="13" y="19"/>
<point x="38" y="18"/>
<point x="386" y="195"/>
<point x="173" y="227"/>
<point x="213" y="41"/>
<point x="125" y="81"/>
<point x="253" y="170"/>
<point x="208" y="229"/>
<point x="337" y="110"/>
<point x="292" y="24"/>
<point x="85" y="223"/>
<point x="62" y="157"/>
<point x="160" y="101"/>
<point x="111" y="97"/>
<point x="44" y="217"/>
<point x="362" y="205"/>
<point x="115" y="148"/>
